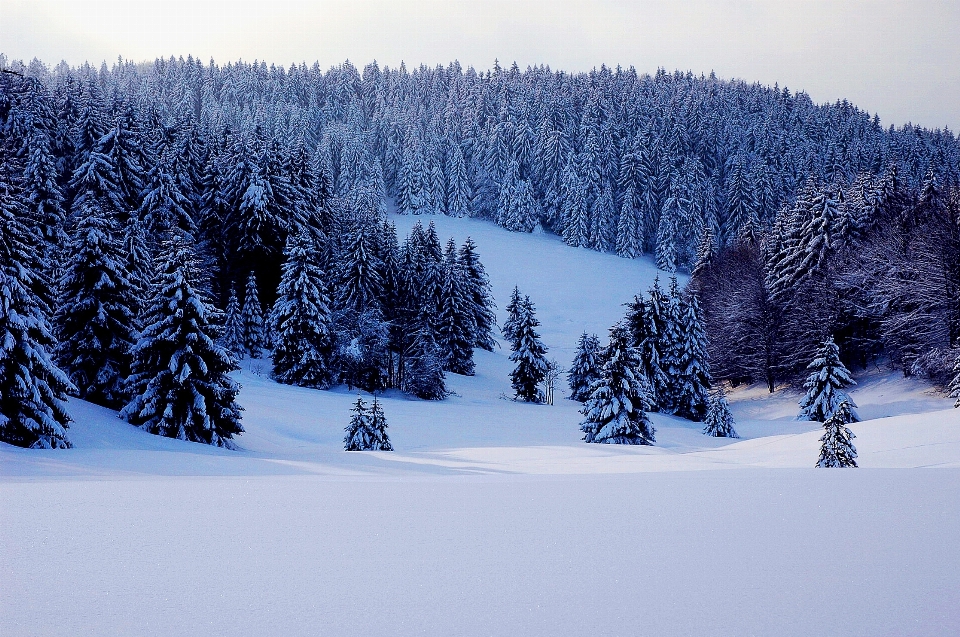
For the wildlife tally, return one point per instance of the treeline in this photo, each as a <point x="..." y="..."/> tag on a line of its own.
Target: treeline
<point x="874" y="264"/>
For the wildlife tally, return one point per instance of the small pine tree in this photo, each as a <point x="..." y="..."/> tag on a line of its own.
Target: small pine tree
<point x="585" y="369"/>
<point x="719" y="421"/>
<point x="457" y="324"/>
<point x="693" y="378"/>
<point x="253" y="328"/>
<point x="825" y="385"/>
<point x="180" y="383"/>
<point x="837" y="448"/>
<point x="616" y="412"/>
<point x="514" y="308"/>
<point x="483" y="305"/>
<point x="378" y="422"/>
<point x="232" y="339"/>
<point x="529" y="355"/>
<point x="360" y="435"/>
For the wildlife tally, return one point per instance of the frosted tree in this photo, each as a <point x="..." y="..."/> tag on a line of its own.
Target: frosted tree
<point x="629" y="235"/>
<point x="164" y="205"/>
<point x="423" y="376"/>
<point x="360" y="282"/>
<point x="718" y="421"/>
<point x="483" y="304"/>
<point x="585" y="369"/>
<point x="514" y="309"/>
<point x="825" y="385"/>
<point x="301" y="319"/>
<point x="836" y="444"/>
<point x="458" y="184"/>
<point x="96" y="320"/>
<point x="692" y="380"/>
<point x="456" y="322"/>
<point x="232" y="339"/>
<point x="954" y="387"/>
<point x="378" y="423"/>
<point x="180" y="379"/>
<point x="33" y="390"/>
<point x="253" y="326"/>
<point x="360" y="434"/>
<point x="615" y="412"/>
<point x="529" y="356"/>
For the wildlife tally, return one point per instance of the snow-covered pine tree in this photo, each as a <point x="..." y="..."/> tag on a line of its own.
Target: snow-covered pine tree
<point x="615" y="412"/>
<point x="825" y="385"/>
<point x="96" y="321"/>
<point x="514" y="310"/>
<point x="719" y="421"/>
<point x="232" y="339"/>
<point x="458" y="184"/>
<point x="33" y="390"/>
<point x="629" y="236"/>
<point x="836" y="449"/>
<point x="529" y="355"/>
<point x="423" y="374"/>
<point x="456" y="323"/>
<point x="253" y="328"/>
<point x="180" y="379"/>
<point x="483" y="304"/>
<point x="692" y="382"/>
<point x="360" y="434"/>
<point x="301" y="319"/>
<point x="378" y="423"/>
<point x="585" y="368"/>
<point x="360" y="284"/>
<point x="644" y="332"/>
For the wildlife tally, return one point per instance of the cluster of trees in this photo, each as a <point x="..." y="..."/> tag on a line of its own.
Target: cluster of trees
<point x="116" y="262"/>
<point x="872" y="263"/>
<point x="656" y="360"/>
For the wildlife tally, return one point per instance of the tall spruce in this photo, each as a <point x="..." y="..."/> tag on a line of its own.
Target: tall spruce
<point x="96" y="320"/>
<point x="301" y="319"/>
<point x="483" y="305"/>
<point x="529" y="356"/>
<point x="232" y="339"/>
<point x="180" y="383"/>
<point x="33" y="390"/>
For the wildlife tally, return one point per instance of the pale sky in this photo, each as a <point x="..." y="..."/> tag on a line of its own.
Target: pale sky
<point x="897" y="58"/>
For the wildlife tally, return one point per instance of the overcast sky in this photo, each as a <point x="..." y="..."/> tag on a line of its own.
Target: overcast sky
<point x="897" y="58"/>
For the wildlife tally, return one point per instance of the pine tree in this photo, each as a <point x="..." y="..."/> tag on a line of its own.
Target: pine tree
<point x="180" y="379"/>
<point x="954" y="387"/>
<point x="253" y="328"/>
<point x="511" y="326"/>
<point x="615" y="412"/>
<point x="232" y="339"/>
<point x="378" y="423"/>
<point x="692" y="382"/>
<point x="360" y="434"/>
<point x="585" y="368"/>
<point x="360" y="283"/>
<point x="645" y="332"/>
<point x="458" y="185"/>
<point x="529" y="355"/>
<point x="629" y="235"/>
<point x="423" y="376"/>
<point x="456" y="322"/>
<point x="96" y="319"/>
<point x="837" y="448"/>
<point x="301" y="319"/>
<point x="825" y="385"/>
<point x="719" y="421"/>
<point x="33" y="390"/>
<point x="484" y="318"/>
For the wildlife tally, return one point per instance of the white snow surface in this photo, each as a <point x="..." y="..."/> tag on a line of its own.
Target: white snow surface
<point x="492" y="517"/>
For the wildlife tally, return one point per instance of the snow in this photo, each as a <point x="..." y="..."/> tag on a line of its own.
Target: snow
<point x="492" y="517"/>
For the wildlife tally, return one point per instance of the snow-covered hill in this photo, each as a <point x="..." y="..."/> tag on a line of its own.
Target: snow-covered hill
<point x="492" y="517"/>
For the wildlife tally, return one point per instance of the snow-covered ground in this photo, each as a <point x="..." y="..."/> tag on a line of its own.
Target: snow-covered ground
<point x="491" y="518"/>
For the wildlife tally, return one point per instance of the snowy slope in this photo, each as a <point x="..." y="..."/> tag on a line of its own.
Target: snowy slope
<point x="491" y="518"/>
